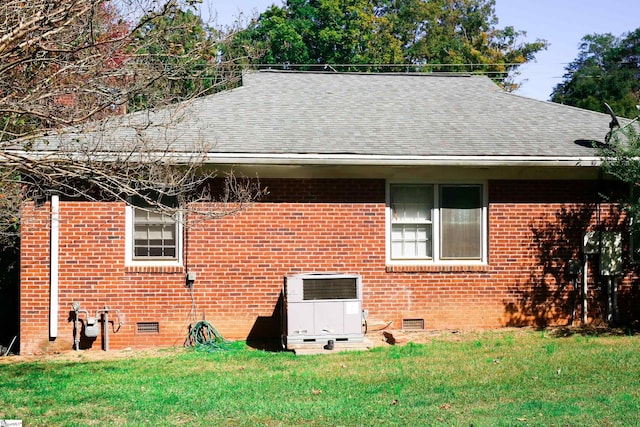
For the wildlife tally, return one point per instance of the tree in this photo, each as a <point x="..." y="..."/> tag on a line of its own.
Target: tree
<point x="69" y="68"/>
<point x="324" y="32"/>
<point x="607" y="69"/>
<point x="50" y="75"/>
<point x="422" y="35"/>
<point x="460" y="35"/>
<point x="621" y="159"/>
<point x="186" y="54"/>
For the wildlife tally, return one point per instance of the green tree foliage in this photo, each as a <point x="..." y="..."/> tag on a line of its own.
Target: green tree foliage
<point x="621" y="159"/>
<point x="420" y="35"/>
<point x="324" y="32"/>
<point x="184" y="52"/>
<point x="607" y="69"/>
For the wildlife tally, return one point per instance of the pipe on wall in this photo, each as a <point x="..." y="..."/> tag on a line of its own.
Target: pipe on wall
<point x="53" y="268"/>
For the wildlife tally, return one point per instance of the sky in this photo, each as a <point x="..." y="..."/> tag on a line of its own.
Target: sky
<point x="563" y="23"/>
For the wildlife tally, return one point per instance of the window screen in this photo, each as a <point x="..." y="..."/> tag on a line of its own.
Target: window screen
<point x="461" y="222"/>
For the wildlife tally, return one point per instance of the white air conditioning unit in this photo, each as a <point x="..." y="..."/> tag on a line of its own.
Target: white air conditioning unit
<point x="319" y="307"/>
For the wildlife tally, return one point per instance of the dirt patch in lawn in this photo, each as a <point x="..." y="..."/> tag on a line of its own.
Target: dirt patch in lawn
<point x="93" y="355"/>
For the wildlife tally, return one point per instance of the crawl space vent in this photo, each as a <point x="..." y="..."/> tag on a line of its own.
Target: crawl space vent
<point x="413" y="324"/>
<point x="148" y="327"/>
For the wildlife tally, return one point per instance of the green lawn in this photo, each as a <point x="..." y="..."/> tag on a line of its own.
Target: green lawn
<point x="506" y="378"/>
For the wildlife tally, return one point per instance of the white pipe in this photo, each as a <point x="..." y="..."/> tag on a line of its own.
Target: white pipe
<point x="585" y="273"/>
<point x="54" y="264"/>
<point x="614" y="296"/>
<point x="609" y="300"/>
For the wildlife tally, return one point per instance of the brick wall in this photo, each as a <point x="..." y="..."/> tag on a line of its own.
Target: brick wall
<point x="308" y="225"/>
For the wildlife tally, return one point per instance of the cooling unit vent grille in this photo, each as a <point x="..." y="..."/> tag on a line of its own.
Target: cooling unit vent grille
<point x="338" y="288"/>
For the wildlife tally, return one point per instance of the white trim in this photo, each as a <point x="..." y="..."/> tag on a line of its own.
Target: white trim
<point x="128" y="245"/>
<point x="387" y="160"/>
<point x="435" y="233"/>
<point x="345" y="159"/>
<point x="485" y="223"/>
<point x="54" y="264"/>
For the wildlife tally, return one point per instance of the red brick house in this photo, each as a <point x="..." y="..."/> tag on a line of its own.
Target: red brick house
<point x="459" y="205"/>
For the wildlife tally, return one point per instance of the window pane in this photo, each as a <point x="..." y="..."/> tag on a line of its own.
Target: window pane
<point x="143" y="216"/>
<point x="411" y="203"/>
<point x="411" y="241"/>
<point x="396" y="249"/>
<point x="140" y="215"/>
<point x="409" y="234"/>
<point x="140" y="233"/>
<point x="461" y="222"/>
<point x="396" y="234"/>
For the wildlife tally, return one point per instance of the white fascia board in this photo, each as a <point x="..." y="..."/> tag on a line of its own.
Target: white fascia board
<point x="380" y="160"/>
<point x="344" y="159"/>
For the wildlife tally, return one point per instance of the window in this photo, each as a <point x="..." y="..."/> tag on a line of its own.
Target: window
<point x="152" y="237"/>
<point x="461" y="222"/>
<point x="411" y="224"/>
<point x="437" y="223"/>
<point x="154" y="234"/>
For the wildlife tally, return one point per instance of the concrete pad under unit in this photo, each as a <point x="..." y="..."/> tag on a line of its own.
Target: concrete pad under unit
<point x="319" y="347"/>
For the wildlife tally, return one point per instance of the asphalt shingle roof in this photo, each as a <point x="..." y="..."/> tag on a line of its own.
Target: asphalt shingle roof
<point x="377" y="114"/>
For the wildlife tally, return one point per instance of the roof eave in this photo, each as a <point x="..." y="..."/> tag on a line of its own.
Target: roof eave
<point x="383" y="160"/>
<point x="337" y="159"/>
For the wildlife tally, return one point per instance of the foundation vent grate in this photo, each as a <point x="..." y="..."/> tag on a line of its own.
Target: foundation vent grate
<point x="148" y="327"/>
<point x="413" y="324"/>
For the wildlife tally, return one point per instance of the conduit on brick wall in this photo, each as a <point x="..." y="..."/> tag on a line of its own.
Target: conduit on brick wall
<point x="54" y="259"/>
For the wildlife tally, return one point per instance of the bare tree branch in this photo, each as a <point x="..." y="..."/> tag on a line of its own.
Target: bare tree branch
<point x="69" y="70"/>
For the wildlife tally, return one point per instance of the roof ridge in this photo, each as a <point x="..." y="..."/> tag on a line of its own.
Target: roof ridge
<point x="364" y="73"/>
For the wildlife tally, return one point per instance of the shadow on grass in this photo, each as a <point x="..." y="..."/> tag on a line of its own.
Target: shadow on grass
<point x="266" y="331"/>
<point x="595" y="331"/>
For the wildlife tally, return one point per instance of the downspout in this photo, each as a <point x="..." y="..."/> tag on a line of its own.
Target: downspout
<point x="53" y="268"/>
<point x="585" y="287"/>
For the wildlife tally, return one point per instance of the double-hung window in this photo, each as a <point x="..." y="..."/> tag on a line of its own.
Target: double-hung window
<point x="433" y="223"/>
<point x="411" y="221"/>
<point x="153" y="237"/>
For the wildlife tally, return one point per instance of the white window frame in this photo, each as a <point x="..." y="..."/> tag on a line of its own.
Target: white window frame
<point x="151" y="262"/>
<point x="435" y="220"/>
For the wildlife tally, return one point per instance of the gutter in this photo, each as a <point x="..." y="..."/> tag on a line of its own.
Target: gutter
<point x="337" y="159"/>
<point x="383" y="160"/>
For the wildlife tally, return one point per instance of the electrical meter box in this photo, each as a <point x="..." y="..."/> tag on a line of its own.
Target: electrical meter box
<point x="319" y="307"/>
<point x="609" y="246"/>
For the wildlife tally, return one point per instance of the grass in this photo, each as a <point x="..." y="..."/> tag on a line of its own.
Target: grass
<point x="514" y="378"/>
